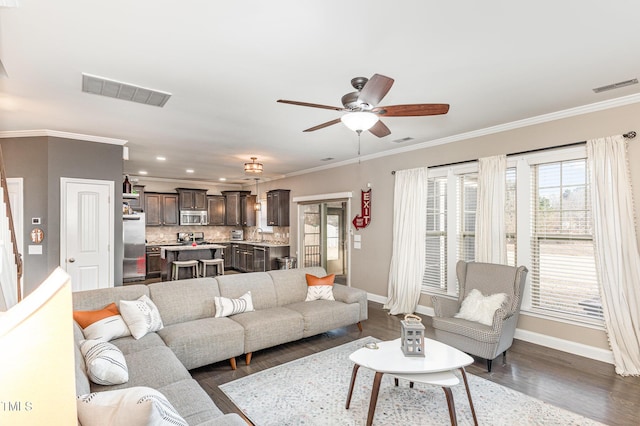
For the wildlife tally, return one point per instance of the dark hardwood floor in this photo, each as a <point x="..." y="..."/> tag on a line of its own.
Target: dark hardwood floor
<point x="583" y="386"/>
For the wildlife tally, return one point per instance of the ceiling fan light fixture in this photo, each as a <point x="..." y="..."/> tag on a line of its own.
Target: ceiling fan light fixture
<point x="359" y="120"/>
<point x="253" y="167"/>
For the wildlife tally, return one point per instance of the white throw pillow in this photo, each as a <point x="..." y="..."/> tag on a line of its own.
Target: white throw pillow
<point x="136" y="406"/>
<point x="226" y="306"/>
<point x="105" y="362"/>
<point x="478" y="308"/>
<point x="319" y="288"/>
<point x="142" y="316"/>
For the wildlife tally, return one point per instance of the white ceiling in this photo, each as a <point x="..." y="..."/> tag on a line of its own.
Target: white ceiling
<point x="226" y="64"/>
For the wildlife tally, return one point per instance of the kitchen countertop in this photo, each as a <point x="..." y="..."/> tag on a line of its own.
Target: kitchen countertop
<point x="181" y="247"/>
<point x="253" y="243"/>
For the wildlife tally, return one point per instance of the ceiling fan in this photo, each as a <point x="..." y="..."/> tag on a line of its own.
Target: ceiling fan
<point x="363" y="112"/>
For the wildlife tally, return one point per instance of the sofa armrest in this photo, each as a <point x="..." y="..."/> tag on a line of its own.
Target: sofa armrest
<point x="445" y="307"/>
<point x="231" y="419"/>
<point x="349" y="295"/>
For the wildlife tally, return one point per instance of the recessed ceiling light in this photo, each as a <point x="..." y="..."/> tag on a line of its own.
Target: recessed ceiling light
<point x="143" y="172"/>
<point x="189" y="170"/>
<point x="222" y="179"/>
<point x="161" y="158"/>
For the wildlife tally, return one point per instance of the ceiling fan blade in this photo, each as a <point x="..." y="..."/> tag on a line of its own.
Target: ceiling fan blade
<point x="412" y="110"/>
<point x="380" y="129"/>
<point x="307" y="104"/>
<point x="323" y="125"/>
<point x="375" y="89"/>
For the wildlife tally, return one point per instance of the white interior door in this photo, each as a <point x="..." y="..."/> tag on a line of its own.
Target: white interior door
<point x="86" y="232"/>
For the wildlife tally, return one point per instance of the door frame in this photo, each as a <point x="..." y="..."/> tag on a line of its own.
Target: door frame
<point x="63" y="221"/>
<point x="320" y="198"/>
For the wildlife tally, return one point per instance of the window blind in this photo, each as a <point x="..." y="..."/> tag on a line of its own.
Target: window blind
<point x="435" y="273"/>
<point x="563" y="276"/>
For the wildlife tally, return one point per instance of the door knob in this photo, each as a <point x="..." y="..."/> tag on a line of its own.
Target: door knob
<point x="71" y="260"/>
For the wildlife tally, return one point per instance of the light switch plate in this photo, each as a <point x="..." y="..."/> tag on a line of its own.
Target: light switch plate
<point x="36" y="221"/>
<point x="34" y="249"/>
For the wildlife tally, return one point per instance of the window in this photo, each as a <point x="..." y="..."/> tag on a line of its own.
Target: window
<point x="563" y="273"/>
<point x="547" y="225"/>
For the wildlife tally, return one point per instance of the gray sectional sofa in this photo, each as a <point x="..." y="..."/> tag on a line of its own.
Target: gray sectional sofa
<point x="192" y="337"/>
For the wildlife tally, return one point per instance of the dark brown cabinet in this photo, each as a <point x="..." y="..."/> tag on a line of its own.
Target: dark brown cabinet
<point x="161" y="209"/>
<point x="278" y="207"/>
<point x="216" y="207"/>
<point x="192" y="199"/>
<point x="240" y="208"/>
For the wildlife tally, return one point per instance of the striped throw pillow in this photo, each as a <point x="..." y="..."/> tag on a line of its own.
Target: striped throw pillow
<point x="136" y="406"/>
<point x="105" y="362"/>
<point x="319" y="288"/>
<point x="226" y="306"/>
<point x="103" y="324"/>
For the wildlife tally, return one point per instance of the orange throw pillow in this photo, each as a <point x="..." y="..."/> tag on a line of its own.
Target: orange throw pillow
<point x="86" y="318"/>
<point x="319" y="288"/>
<point x="103" y="324"/>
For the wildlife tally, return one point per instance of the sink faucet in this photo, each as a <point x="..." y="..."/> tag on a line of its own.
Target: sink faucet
<point x="261" y="232"/>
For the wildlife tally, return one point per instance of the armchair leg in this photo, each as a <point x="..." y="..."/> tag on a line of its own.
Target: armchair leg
<point x="504" y="357"/>
<point x="489" y="361"/>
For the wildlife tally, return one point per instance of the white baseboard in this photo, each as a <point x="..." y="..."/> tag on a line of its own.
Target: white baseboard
<point x="563" y="345"/>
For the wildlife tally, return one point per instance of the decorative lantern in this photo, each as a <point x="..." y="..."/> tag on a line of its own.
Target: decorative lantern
<point x="412" y="337"/>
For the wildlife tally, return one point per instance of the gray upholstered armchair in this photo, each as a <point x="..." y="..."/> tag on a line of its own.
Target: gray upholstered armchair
<point x="473" y="337"/>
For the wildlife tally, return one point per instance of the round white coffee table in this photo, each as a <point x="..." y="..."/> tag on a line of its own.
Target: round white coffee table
<point x="435" y="368"/>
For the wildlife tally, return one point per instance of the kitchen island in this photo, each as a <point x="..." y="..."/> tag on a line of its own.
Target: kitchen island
<point x="169" y="254"/>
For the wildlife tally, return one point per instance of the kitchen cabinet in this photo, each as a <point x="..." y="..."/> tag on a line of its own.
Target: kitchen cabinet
<point x="137" y="204"/>
<point x="154" y="263"/>
<point x="243" y="257"/>
<point x="161" y="209"/>
<point x="216" y="207"/>
<point x="278" y="207"/>
<point x="239" y="208"/>
<point x="192" y="199"/>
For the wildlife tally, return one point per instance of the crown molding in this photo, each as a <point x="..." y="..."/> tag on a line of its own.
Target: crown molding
<point x="545" y="118"/>
<point x="59" y="134"/>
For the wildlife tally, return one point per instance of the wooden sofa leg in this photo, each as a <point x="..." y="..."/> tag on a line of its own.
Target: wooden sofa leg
<point x="233" y="363"/>
<point x="359" y="324"/>
<point x="248" y="357"/>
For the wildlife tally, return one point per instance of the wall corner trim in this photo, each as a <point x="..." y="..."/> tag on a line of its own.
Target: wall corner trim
<point x="59" y="134"/>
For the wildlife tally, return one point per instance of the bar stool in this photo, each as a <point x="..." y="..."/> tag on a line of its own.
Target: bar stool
<point x="218" y="263"/>
<point x="177" y="264"/>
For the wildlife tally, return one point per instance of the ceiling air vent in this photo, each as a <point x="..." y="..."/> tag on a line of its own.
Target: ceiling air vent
<point x="403" y="140"/>
<point x="119" y="90"/>
<point x="616" y="85"/>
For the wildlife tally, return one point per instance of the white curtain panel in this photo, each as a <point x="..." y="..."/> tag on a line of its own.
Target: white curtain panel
<point x="491" y="245"/>
<point x="409" y="233"/>
<point x="616" y="245"/>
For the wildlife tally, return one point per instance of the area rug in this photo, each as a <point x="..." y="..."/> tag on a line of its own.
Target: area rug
<point x="313" y="391"/>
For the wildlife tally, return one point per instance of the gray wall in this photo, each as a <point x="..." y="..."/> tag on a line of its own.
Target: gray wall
<point x="42" y="161"/>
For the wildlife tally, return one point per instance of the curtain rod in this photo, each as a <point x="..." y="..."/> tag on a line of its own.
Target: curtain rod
<point x="628" y="135"/>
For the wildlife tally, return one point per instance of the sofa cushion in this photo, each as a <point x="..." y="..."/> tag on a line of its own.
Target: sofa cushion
<point x="269" y="327"/>
<point x="185" y="300"/>
<point x="226" y="307"/>
<point x="324" y="315"/>
<point x="105" y="362"/>
<point x="154" y="367"/>
<point x="258" y="283"/>
<point x="291" y="284"/>
<point x="97" y="299"/>
<point x="141" y="315"/>
<point x="136" y="406"/>
<point x="204" y="341"/>
<point x="191" y="401"/>
<point x="82" y="380"/>
<point x="128" y="344"/>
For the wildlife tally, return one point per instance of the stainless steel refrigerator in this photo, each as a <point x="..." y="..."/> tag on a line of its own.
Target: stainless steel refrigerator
<point x="134" y="266"/>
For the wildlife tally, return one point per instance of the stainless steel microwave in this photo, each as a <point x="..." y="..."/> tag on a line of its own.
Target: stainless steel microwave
<point x="193" y="217"/>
